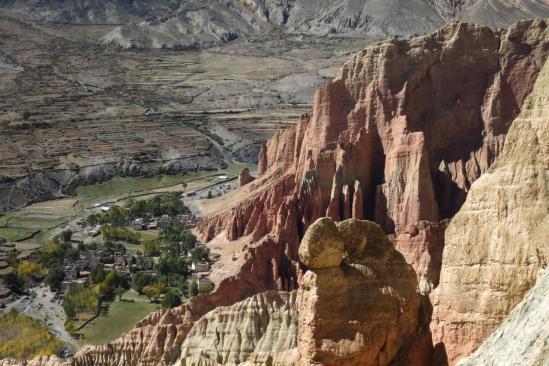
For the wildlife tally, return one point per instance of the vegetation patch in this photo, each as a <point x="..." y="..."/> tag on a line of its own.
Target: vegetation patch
<point x="117" y="318"/>
<point x="22" y="337"/>
<point x="17" y="233"/>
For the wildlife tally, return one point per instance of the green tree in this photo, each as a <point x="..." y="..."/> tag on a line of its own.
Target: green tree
<point x="150" y="248"/>
<point x="140" y="280"/>
<point x="193" y="287"/>
<point x="97" y="275"/>
<point x="199" y="254"/>
<point x="113" y="280"/>
<point x="171" y="300"/>
<point x="154" y="291"/>
<point x="66" y="235"/>
<point x="55" y="276"/>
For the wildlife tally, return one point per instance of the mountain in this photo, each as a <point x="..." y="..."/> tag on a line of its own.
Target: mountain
<point x="88" y="11"/>
<point x="205" y="23"/>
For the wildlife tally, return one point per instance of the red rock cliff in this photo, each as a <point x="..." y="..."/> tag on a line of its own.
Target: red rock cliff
<point x="398" y="137"/>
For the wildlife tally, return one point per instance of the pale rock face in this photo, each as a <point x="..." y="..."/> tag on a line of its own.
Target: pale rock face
<point x="522" y="338"/>
<point x="363" y="311"/>
<point x="257" y="331"/>
<point x="324" y="245"/>
<point x="498" y="242"/>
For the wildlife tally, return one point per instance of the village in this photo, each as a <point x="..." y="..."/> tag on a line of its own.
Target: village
<point x="147" y="245"/>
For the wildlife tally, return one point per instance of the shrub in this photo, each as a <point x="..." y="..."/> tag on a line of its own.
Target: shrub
<point x="171" y="300"/>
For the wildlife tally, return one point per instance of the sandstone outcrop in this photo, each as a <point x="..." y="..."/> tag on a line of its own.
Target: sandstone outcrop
<point x="261" y="330"/>
<point x="244" y="177"/>
<point x="498" y="242"/>
<point x="398" y="137"/>
<point x="522" y="338"/>
<point x="362" y="309"/>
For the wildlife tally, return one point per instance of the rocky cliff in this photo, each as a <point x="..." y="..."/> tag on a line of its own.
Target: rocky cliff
<point x="261" y="330"/>
<point x="497" y="243"/>
<point x="522" y="338"/>
<point x="398" y="137"/>
<point x="358" y="303"/>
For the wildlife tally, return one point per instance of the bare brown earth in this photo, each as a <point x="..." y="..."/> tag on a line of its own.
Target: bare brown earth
<point x="73" y="110"/>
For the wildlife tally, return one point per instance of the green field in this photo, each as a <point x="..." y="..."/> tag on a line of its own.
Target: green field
<point x="120" y="317"/>
<point x="120" y="187"/>
<point x="42" y="220"/>
<point x="16" y="233"/>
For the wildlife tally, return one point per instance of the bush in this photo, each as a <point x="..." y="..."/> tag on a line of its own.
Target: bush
<point x="171" y="300"/>
<point x="206" y="289"/>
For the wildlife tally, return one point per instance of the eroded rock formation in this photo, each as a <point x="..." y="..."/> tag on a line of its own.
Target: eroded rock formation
<point x="261" y="330"/>
<point x="498" y="242"/>
<point x="244" y="177"/>
<point x="398" y="137"/>
<point x="361" y="307"/>
<point x="522" y="338"/>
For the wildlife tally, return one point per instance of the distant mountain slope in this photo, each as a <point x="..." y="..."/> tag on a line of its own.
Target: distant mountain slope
<point x="501" y="13"/>
<point x="88" y="11"/>
<point x="204" y="23"/>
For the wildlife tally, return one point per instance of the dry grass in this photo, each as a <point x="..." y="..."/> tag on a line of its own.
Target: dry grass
<point x="22" y="337"/>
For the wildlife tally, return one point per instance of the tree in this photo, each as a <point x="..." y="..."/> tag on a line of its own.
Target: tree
<point x="113" y="280"/>
<point x="154" y="291"/>
<point x="210" y="196"/>
<point x="171" y="300"/>
<point x="193" y="287"/>
<point x="66" y="235"/>
<point x="97" y="275"/>
<point x="55" y="276"/>
<point x="168" y="264"/>
<point x="150" y="248"/>
<point x="119" y="292"/>
<point x="140" y="280"/>
<point x="199" y="254"/>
